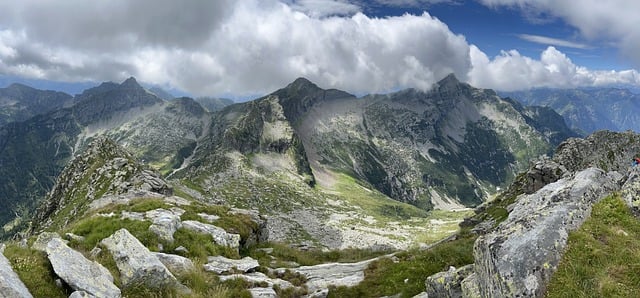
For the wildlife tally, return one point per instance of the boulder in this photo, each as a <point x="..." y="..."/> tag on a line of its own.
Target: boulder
<point x="263" y="293"/>
<point x="258" y="278"/>
<point x="80" y="294"/>
<point x="630" y="192"/>
<point x="518" y="258"/>
<point x="447" y="283"/>
<point x="10" y="283"/>
<point x="78" y="272"/>
<point x="220" y="264"/>
<point x="175" y="263"/>
<point x="40" y="244"/>
<point x="220" y="236"/>
<point x="322" y="276"/>
<point x="164" y="223"/>
<point x="137" y="265"/>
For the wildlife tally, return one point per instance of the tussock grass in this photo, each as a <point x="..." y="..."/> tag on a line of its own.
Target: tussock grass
<point x="35" y="271"/>
<point x="285" y="253"/>
<point x="603" y="256"/>
<point x="407" y="274"/>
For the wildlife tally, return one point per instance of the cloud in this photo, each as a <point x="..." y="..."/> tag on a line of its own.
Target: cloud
<point x="324" y="8"/>
<point x="552" y="41"/>
<point x="511" y="71"/>
<point x="253" y="47"/>
<point x="613" y="21"/>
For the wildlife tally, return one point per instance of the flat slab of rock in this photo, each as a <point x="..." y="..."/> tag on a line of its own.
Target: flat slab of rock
<point x="220" y="264"/>
<point x="175" y="263"/>
<point x="263" y="293"/>
<point x="220" y="236"/>
<point x="332" y="274"/>
<point x="137" y="265"/>
<point x="258" y="278"/>
<point x="78" y="272"/>
<point x="10" y="283"/>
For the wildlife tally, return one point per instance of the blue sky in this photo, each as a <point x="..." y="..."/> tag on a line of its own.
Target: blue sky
<point x="247" y="48"/>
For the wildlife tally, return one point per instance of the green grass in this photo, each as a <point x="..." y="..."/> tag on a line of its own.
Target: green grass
<point x="284" y="253"/>
<point x="34" y="270"/>
<point x="385" y="277"/>
<point x="603" y="256"/>
<point x="96" y="228"/>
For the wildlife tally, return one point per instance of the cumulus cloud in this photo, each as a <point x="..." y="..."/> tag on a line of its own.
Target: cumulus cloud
<point x="256" y="46"/>
<point x="511" y="71"/>
<point x="552" y="41"/>
<point x="615" y="21"/>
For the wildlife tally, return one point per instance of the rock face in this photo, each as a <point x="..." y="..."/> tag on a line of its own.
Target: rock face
<point x="78" y="272"/>
<point x="137" y="265"/>
<point x="176" y="264"/>
<point x="518" y="258"/>
<point x="10" y="283"/>
<point x="220" y="236"/>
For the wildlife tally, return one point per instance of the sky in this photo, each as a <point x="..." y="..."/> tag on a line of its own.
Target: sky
<point x="244" y="48"/>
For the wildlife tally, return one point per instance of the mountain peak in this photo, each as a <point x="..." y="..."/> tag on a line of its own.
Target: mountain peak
<point x="130" y="83"/>
<point x="450" y="79"/>
<point x="302" y="83"/>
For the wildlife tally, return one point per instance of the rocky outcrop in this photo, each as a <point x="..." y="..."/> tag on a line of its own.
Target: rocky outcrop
<point x="220" y="236"/>
<point x="447" y="283"/>
<point x="630" y="192"/>
<point x="220" y="264"/>
<point x="10" y="283"/>
<point x="137" y="265"/>
<point x="543" y="172"/>
<point x="518" y="258"/>
<point x="78" y="272"/>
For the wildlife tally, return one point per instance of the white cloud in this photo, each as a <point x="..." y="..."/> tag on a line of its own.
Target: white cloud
<point x="552" y="41"/>
<point x="511" y="71"/>
<point x="614" y="21"/>
<point x="253" y="47"/>
<point x="324" y="8"/>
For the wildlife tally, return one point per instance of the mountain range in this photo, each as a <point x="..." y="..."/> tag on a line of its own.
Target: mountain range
<point x="450" y="147"/>
<point x="588" y="109"/>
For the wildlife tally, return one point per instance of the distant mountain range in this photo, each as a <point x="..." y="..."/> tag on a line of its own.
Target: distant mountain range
<point x="588" y="110"/>
<point x="450" y="147"/>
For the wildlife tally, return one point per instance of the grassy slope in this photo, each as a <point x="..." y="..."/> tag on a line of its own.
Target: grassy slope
<point x="603" y="256"/>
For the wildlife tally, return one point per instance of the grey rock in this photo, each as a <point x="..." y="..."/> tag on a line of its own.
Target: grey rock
<point x="258" y="278"/>
<point x="518" y="258"/>
<point x="132" y="215"/>
<point x="10" y="283"/>
<point x="220" y="264"/>
<point x="71" y="236"/>
<point x="470" y="287"/>
<point x="78" y="272"/>
<point x="263" y="293"/>
<point x="208" y="217"/>
<point x="543" y="172"/>
<point x="447" y="283"/>
<point x="164" y="223"/>
<point x="332" y="274"/>
<point x="630" y="192"/>
<point x="137" y="265"/>
<point x="319" y="293"/>
<point x="421" y="295"/>
<point x="220" y="236"/>
<point x="181" y="249"/>
<point x="95" y="252"/>
<point x="80" y="294"/>
<point x="40" y="244"/>
<point x="176" y="264"/>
